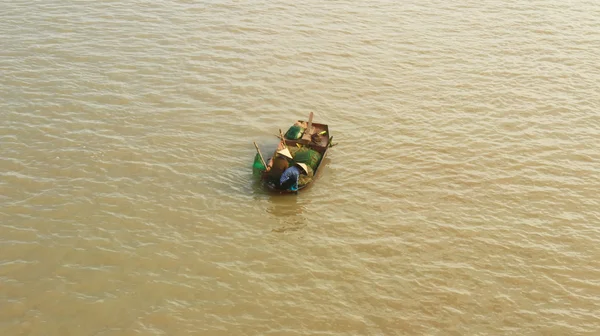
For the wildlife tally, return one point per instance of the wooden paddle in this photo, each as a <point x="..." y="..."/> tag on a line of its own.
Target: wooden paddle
<point x="282" y="138"/>
<point x="260" y="154"/>
<point x="308" y="133"/>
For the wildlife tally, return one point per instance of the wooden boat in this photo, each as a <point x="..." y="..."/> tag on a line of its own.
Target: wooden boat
<point x="315" y="137"/>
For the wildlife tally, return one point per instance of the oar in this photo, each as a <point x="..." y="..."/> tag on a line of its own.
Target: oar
<point x="260" y="154"/>
<point x="282" y="138"/>
<point x="308" y="131"/>
<point x="310" y="118"/>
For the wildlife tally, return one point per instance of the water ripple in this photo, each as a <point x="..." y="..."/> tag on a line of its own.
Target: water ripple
<point x="461" y="198"/>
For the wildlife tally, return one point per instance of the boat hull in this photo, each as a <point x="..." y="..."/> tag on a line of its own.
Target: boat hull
<point x="320" y="143"/>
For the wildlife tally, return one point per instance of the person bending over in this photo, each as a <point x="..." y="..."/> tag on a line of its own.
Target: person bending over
<point x="279" y="164"/>
<point x="289" y="178"/>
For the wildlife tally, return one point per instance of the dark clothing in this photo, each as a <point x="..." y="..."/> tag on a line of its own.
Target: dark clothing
<point x="289" y="184"/>
<point x="289" y="179"/>
<point x="280" y="164"/>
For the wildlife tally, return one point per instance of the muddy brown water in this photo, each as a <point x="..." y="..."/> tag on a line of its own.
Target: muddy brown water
<point x="462" y="198"/>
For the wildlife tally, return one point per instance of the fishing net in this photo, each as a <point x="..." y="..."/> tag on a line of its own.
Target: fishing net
<point x="257" y="166"/>
<point x="294" y="133"/>
<point x="293" y="149"/>
<point x="305" y="155"/>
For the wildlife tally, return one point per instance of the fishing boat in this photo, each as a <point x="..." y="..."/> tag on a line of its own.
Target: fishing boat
<point x="310" y="148"/>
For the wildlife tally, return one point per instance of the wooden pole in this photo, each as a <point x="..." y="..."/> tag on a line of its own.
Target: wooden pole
<point x="282" y="138"/>
<point x="260" y="154"/>
<point x="308" y="132"/>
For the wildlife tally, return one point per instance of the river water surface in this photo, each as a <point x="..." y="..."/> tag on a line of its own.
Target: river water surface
<point x="462" y="197"/>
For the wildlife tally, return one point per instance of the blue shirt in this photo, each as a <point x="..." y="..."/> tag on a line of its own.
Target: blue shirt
<point x="292" y="172"/>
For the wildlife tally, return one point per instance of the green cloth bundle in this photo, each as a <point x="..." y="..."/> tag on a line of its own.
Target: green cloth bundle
<point x="294" y="133"/>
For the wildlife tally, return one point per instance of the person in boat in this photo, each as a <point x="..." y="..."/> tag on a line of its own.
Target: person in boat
<point x="289" y="178"/>
<point x="279" y="164"/>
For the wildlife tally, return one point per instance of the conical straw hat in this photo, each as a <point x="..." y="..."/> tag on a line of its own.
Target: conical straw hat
<point x="304" y="167"/>
<point x="285" y="152"/>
